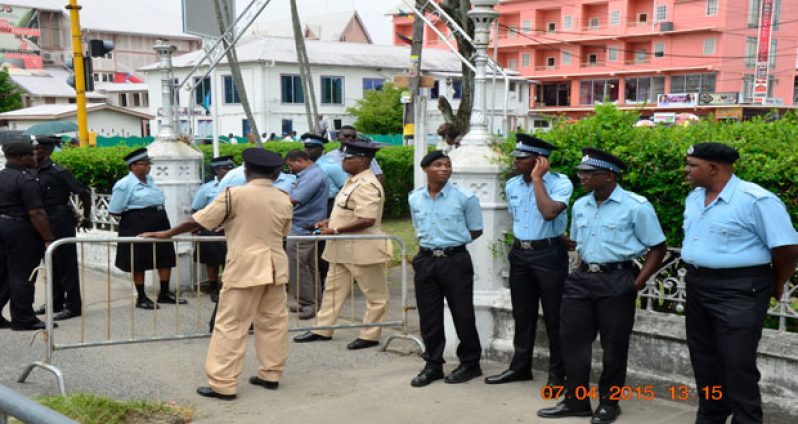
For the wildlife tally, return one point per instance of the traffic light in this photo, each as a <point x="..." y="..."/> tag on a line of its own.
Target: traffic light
<point x="87" y="72"/>
<point x="99" y="48"/>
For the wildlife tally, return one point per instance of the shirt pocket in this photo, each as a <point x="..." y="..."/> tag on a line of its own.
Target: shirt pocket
<point x="420" y="218"/>
<point x="515" y="207"/>
<point x="722" y="235"/>
<point x="613" y="231"/>
<point x="580" y="223"/>
<point x="451" y="223"/>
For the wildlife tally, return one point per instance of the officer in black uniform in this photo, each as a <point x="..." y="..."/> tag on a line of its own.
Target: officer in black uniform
<point x="57" y="185"/>
<point x="24" y="234"/>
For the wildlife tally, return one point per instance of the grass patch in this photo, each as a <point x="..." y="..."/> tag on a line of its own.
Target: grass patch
<point x="92" y="409"/>
<point x="402" y="228"/>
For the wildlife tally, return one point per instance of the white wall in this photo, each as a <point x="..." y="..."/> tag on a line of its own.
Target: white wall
<point x="107" y="123"/>
<point x="263" y="89"/>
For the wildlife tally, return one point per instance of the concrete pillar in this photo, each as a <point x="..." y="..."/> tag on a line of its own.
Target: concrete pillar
<point x="175" y="166"/>
<point x="477" y="168"/>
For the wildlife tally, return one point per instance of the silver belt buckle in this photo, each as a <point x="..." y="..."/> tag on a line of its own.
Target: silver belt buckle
<point x="593" y="268"/>
<point x="438" y="253"/>
<point x="526" y="245"/>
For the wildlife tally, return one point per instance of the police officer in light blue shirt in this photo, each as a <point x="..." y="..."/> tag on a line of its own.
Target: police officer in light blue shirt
<point x="236" y="178"/>
<point x="336" y="176"/>
<point x="139" y="203"/>
<point x="740" y="247"/>
<point x="212" y="254"/>
<point x="446" y="218"/>
<point x="538" y="200"/>
<point x="611" y="227"/>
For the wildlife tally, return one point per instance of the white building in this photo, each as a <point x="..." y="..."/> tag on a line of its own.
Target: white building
<point x="341" y="73"/>
<point x="104" y="119"/>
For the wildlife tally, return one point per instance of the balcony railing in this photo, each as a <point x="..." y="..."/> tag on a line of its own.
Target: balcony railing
<point x="593" y="64"/>
<point x="591" y="28"/>
<point x="546" y="68"/>
<point x="638" y="61"/>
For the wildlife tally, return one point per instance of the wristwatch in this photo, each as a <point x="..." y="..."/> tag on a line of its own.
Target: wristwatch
<point x="335" y="231"/>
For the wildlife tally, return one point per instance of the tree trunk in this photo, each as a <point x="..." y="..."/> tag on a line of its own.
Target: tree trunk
<point x="458" y="10"/>
<point x="222" y="13"/>
<point x="304" y="71"/>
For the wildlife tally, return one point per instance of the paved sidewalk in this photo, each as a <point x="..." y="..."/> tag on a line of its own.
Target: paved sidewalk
<point x="323" y="382"/>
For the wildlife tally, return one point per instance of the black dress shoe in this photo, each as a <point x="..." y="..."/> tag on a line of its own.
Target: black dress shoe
<point x="310" y="337"/>
<point x="430" y="373"/>
<point x="43" y="310"/>
<point x="461" y="374"/>
<point x="508" y="376"/>
<point x="362" y="344"/>
<point x="266" y="384"/>
<point x="170" y="299"/>
<point x="146" y="303"/>
<point x="606" y="414"/>
<point x="563" y="410"/>
<point x="4" y="323"/>
<point x="30" y="326"/>
<point x="209" y="392"/>
<point x="66" y="313"/>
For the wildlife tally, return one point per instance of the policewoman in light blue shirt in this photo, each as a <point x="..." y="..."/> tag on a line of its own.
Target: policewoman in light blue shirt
<point x="140" y="204"/>
<point x="446" y="218"/>
<point x="212" y="254"/>
<point x="741" y="248"/>
<point x="611" y="227"/>
<point x="537" y="200"/>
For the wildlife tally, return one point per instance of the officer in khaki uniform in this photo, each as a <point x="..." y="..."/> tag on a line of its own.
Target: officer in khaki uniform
<point x="256" y="217"/>
<point x="357" y="211"/>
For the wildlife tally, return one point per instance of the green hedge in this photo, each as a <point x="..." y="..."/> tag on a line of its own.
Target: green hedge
<point x="656" y="156"/>
<point x="102" y="167"/>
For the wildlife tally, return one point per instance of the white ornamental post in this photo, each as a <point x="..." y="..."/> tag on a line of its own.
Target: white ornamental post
<point x="175" y="165"/>
<point x="476" y="167"/>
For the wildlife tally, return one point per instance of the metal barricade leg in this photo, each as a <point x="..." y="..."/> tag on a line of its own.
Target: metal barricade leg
<point x="59" y="376"/>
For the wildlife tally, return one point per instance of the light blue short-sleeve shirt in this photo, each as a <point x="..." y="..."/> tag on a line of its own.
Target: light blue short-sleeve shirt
<point x="311" y="193"/>
<point x="130" y="193"/>
<point x="235" y="178"/>
<point x="528" y="222"/>
<point x="738" y="229"/>
<point x="205" y="195"/>
<point x="621" y="229"/>
<point x="336" y="177"/>
<point x="446" y="220"/>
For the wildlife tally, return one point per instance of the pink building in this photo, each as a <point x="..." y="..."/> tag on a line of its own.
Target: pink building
<point x="654" y="55"/>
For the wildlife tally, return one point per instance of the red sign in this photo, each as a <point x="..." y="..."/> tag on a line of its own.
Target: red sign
<point x="763" y="50"/>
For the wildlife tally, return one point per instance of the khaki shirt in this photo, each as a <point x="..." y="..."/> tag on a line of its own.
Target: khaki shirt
<point x="361" y="196"/>
<point x="260" y="216"/>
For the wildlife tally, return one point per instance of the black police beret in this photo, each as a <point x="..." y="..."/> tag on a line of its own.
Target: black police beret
<point x="17" y="149"/>
<point x="48" y="140"/>
<point x="432" y="157"/>
<point x="527" y="145"/>
<point x="136" y="155"/>
<point x="361" y="149"/>
<point x="222" y="161"/>
<point x="598" y="159"/>
<point x="261" y="159"/>
<point x="715" y="152"/>
<point x="311" y="139"/>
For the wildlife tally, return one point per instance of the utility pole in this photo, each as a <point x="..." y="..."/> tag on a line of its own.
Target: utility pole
<point x="414" y="69"/>
<point x="80" y="80"/>
<point x="222" y="12"/>
<point x="304" y="71"/>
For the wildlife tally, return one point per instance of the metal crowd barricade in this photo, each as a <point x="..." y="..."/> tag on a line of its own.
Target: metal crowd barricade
<point x="13" y="404"/>
<point x="180" y="331"/>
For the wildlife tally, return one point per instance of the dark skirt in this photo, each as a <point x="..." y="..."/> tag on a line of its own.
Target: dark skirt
<point x="135" y="222"/>
<point x="210" y="252"/>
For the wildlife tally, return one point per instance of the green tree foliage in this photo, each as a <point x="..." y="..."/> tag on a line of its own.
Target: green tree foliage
<point x="379" y="112"/>
<point x="10" y="97"/>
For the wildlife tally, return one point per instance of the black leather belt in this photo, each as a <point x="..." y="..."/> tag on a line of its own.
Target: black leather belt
<point x="606" y="267"/>
<point x="158" y="208"/>
<point x="13" y="218"/>
<point x="536" y="244"/>
<point x="730" y="273"/>
<point x="441" y="252"/>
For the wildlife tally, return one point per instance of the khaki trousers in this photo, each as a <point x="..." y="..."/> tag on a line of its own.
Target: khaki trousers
<point x="239" y="307"/>
<point x="371" y="280"/>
